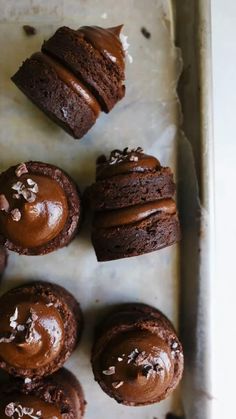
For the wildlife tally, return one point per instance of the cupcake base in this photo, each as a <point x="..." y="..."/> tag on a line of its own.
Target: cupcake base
<point x="74" y="208"/>
<point x="131" y="318"/>
<point x="69" y="310"/>
<point x="61" y="389"/>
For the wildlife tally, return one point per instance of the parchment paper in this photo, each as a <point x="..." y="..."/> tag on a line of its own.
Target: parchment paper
<point x="147" y="117"/>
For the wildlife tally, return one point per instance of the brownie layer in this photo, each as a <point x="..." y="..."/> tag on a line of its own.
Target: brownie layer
<point x="131" y="189"/>
<point x="102" y="74"/>
<point x="136" y="320"/>
<point x="153" y="233"/>
<point x="3" y="259"/>
<point x="61" y="390"/>
<point x="41" y="84"/>
<point x="74" y="208"/>
<point x="68" y="309"/>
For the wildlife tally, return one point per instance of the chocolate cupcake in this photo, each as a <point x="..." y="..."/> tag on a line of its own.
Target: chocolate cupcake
<point x="78" y="74"/>
<point x="3" y="260"/>
<point x="59" y="396"/>
<point x="134" y="208"/>
<point x="40" y="326"/>
<point x="137" y="358"/>
<point x="40" y="208"/>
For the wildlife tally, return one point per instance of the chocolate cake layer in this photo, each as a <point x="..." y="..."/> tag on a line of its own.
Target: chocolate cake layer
<point x="131" y="189"/>
<point x="153" y="233"/>
<point x="42" y="83"/>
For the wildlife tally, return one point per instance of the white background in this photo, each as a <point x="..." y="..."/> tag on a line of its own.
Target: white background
<point x="224" y="88"/>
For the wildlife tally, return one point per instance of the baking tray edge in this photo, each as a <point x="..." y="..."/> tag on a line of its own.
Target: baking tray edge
<point x="193" y="36"/>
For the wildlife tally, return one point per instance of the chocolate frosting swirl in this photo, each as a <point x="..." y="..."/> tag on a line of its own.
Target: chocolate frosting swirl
<point x="123" y="162"/>
<point x="133" y="214"/>
<point x="31" y="331"/>
<point x="137" y="365"/>
<point x="36" y="210"/>
<point x="106" y="41"/>
<point x="22" y="406"/>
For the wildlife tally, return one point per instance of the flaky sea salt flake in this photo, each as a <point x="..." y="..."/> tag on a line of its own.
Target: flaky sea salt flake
<point x="21" y="170"/>
<point x="16" y="214"/>
<point x="117" y="384"/>
<point x="13" y="318"/>
<point x="109" y="371"/>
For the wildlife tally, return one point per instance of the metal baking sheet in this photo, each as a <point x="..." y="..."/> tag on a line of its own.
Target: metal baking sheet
<point x="149" y="116"/>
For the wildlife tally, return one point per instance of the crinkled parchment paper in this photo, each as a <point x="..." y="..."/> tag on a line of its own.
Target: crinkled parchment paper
<point x="147" y="117"/>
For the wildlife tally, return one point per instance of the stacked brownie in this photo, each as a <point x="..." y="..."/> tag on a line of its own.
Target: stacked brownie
<point x="134" y="208"/>
<point x="78" y="74"/>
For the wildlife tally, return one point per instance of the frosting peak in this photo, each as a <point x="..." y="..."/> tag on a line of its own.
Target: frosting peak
<point x="31" y="331"/>
<point x="126" y="161"/>
<point x="137" y="364"/>
<point x="106" y="41"/>
<point x="116" y="30"/>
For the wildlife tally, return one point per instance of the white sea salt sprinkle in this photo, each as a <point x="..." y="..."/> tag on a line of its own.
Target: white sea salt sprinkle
<point x="117" y="384"/>
<point x="109" y="371"/>
<point x="21" y="169"/>
<point x="16" y="214"/>
<point x="13" y="318"/>
<point x="126" y="45"/>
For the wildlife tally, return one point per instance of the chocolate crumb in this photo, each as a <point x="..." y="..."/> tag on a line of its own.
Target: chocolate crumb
<point x="145" y="33"/>
<point x="29" y="30"/>
<point x="173" y="416"/>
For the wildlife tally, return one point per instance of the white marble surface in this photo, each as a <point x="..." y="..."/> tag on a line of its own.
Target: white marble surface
<point x="224" y="88"/>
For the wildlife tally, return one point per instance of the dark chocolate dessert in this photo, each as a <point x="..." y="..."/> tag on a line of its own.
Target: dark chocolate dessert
<point x="78" y="74"/>
<point x="134" y="208"/>
<point x="40" y="208"/>
<point x="59" y="396"/>
<point x="3" y="259"/>
<point x="40" y="326"/>
<point x="137" y="358"/>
